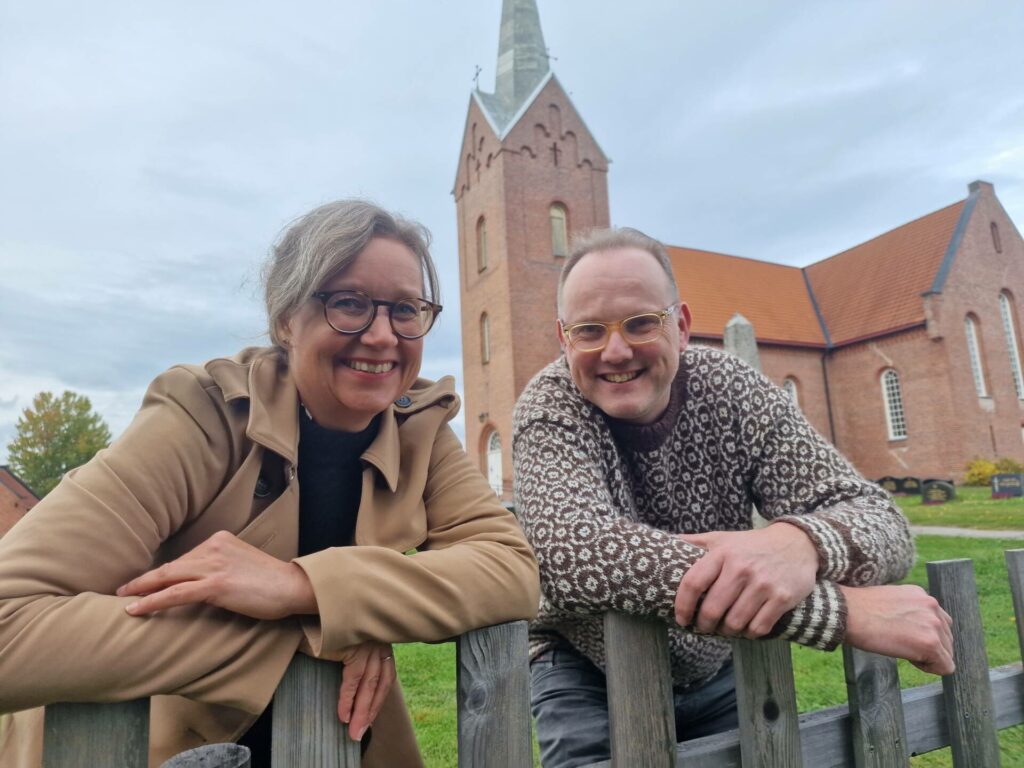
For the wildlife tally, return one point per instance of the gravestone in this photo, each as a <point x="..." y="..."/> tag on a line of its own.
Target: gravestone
<point x="937" y="492"/>
<point x="888" y="483"/>
<point x="1007" y="486"/>
<point x="909" y="485"/>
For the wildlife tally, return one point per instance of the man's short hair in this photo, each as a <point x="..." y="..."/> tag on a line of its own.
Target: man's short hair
<point x="597" y="240"/>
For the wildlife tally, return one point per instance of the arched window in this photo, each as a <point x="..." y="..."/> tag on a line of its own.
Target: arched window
<point x="790" y="386"/>
<point x="996" y="242"/>
<point x="485" y="339"/>
<point x="494" y="462"/>
<point x="559" y="230"/>
<point x="892" y="396"/>
<point x="1006" y="309"/>
<point x="481" y="244"/>
<point x="974" y="352"/>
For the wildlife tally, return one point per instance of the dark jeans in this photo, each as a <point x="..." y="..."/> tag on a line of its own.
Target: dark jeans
<point x="570" y="707"/>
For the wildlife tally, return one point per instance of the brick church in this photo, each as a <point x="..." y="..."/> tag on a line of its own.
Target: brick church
<point x="904" y="350"/>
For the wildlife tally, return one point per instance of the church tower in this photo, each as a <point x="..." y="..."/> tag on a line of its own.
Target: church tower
<point x="530" y="174"/>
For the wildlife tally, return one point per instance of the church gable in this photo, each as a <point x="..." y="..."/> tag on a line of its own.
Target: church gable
<point x="550" y="126"/>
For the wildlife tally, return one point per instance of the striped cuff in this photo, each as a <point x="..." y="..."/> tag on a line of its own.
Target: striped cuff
<point x="818" y="622"/>
<point x="832" y="545"/>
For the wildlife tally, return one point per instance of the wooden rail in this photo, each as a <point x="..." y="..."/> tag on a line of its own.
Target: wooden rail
<point x="493" y="699"/>
<point x="880" y="728"/>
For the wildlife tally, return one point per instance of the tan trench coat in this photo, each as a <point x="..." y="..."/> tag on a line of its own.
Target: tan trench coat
<point x="188" y="466"/>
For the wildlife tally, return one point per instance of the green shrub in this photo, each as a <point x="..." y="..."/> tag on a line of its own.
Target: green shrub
<point x="1009" y="466"/>
<point x="979" y="472"/>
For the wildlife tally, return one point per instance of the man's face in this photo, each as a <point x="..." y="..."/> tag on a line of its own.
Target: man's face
<point x="632" y="383"/>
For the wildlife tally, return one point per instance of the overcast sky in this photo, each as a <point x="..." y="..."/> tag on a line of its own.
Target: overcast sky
<point x="151" y="152"/>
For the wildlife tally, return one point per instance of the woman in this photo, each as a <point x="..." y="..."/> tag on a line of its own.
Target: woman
<point x="205" y="484"/>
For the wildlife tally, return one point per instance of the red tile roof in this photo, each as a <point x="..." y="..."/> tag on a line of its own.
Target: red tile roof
<point x="869" y="290"/>
<point x="773" y="297"/>
<point x="876" y="287"/>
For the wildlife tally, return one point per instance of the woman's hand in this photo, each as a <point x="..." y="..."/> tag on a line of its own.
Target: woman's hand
<point x="226" y="572"/>
<point x="366" y="678"/>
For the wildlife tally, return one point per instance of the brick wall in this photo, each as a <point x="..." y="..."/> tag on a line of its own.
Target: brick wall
<point x="513" y="183"/>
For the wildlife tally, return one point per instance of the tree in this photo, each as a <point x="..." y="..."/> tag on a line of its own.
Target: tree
<point x="54" y="436"/>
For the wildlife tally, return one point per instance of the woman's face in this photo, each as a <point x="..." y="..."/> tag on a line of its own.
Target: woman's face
<point x="347" y="379"/>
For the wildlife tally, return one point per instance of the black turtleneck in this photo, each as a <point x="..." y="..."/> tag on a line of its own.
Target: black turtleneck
<point x="330" y="489"/>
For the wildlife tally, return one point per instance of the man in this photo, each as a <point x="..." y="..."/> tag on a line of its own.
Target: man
<point x="637" y="462"/>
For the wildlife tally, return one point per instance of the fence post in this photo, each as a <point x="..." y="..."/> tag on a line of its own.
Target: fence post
<point x="766" y="700"/>
<point x="305" y="730"/>
<point x="877" y="728"/>
<point x="493" y="684"/>
<point x="97" y="734"/>
<point x="641" y="713"/>
<point x="967" y="692"/>
<point x="1015" y="567"/>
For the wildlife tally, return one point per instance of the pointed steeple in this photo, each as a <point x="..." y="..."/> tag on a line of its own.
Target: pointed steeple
<point x="522" y="62"/>
<point x="522" y="56"/>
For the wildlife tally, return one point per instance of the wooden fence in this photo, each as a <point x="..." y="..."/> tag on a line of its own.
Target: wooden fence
<point x="881" y="727"/>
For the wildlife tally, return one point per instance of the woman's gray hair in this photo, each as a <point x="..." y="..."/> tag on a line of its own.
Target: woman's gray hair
<point x="597" y="240"/>
<point x="323" y="242"/>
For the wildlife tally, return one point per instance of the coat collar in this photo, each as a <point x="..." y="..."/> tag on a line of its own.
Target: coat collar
<point x="260" y="376"/>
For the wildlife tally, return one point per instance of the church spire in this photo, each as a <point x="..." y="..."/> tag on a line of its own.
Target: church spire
<point x="522" y="56"/>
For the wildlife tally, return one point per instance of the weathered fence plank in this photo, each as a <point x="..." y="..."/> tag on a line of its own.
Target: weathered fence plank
<point x="493" y="684"/>
<point x="876" y="710"/>
<point x="825" y="734"/>
<point x="212" y="756"/>
<point x="1015" y="568"/>
<point x="306" y="732"/>
<point x="641" y="713"/>
<point x="97" y="734"/>
<point x="970" y="711"/>
<point x="766" y="699"/>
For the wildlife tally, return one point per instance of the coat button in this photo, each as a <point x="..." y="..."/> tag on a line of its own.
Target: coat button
<point x="404" y="401"/>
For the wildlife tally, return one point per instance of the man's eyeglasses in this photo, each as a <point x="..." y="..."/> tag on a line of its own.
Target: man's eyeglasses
<point x="635" y="330"/>
<point x="353" y="312"/>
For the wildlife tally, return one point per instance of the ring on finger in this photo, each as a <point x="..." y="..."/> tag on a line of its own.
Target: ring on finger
<point x="386" y="658"/>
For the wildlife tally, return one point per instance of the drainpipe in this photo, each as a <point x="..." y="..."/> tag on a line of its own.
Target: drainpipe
<point x="828" y="396"/>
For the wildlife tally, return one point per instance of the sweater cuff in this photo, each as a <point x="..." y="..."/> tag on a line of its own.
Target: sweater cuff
<point x="832" y="545"/>
<point x="818" y="622"/>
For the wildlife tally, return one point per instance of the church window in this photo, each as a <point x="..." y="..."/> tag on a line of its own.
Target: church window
<point x="892" y="395"/>
<point x="790" y="386"/>
<point x="974" y="353"/>
<point x="494" y="462"/>
<point x="485" y="339"/>
<point x="996" y="242"/>
<point x="481" y="244"/>
<point x="559" y="230"/>
<point x="1006" y="309"/>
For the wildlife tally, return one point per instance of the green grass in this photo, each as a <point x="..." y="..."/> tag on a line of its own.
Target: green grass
<point x="972" y="508"/>
<point x="428" y="671"/>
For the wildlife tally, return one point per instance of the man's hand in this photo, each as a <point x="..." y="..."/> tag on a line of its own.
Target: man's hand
<point x="900" y="620"/>
<point x="367" y="677"/>
<point x="226" y="572"/>
<point x="748" y="579"/>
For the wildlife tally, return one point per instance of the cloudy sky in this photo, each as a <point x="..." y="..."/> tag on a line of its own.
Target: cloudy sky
<point x="151" y="152"/>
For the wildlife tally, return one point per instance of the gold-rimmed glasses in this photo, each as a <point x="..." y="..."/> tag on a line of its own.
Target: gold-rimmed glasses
<point x="592" y="336"/>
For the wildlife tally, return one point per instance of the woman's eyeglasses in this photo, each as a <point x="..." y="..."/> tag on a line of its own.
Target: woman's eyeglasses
<point x="353" y="312"/>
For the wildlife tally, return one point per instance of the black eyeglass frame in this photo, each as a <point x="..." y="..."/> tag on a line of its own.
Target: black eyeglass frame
<point x="324" y="296"/>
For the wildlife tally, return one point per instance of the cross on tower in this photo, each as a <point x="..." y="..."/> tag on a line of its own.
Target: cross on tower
<point x="476" y="77"/>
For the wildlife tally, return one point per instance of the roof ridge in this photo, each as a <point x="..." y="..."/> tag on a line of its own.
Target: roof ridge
<point x="887" y="232"/>
<point x="733" y="256"/>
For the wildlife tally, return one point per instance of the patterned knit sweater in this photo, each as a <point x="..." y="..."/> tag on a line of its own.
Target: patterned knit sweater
<point x="600" y="501"/>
